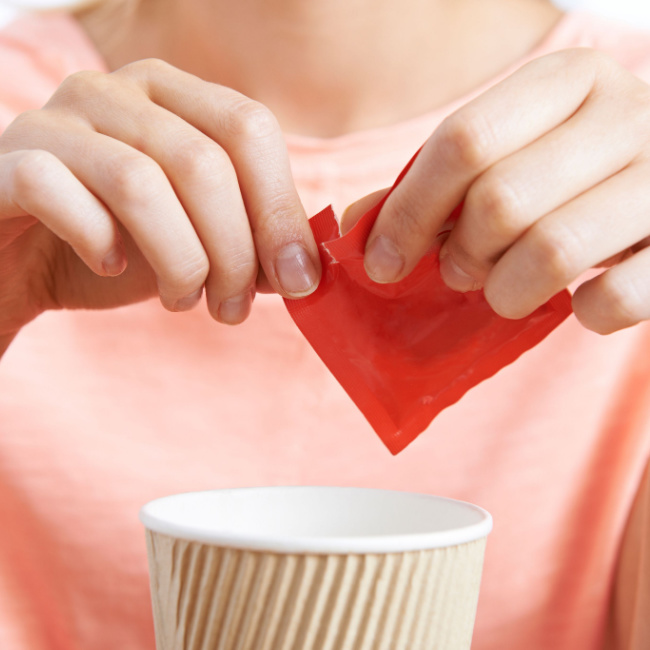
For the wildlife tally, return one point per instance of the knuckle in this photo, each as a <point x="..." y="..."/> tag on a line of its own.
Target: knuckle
<point x="26" y="120"/>
<point x="590" y="64"/>
<point x="555" y="252"/>
<point x="195" y="270"/>
<point x="467" y="139"/>
<point x="407" y="210"/>
<point x="30" y="171"/>
<point x="235" y="271"/>
<point x="134" y="180"/>
<point x="183" y="278"/>
<point x="24" y="130"/>
<point x="592" y="59"/>
<point x="201" y="160"/>
<point x="144" y="68"/>
<point x="282" y="212"/>
<point x="250" y="120"/>
<point x="494" y="197"/>
<point x="79" y="86"/>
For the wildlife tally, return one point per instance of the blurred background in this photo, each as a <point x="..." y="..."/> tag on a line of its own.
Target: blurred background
<point x="635" y="12"/>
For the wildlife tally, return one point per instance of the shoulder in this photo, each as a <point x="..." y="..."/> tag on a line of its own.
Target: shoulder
<point x="37" y="52"/>
<point x="624" y="43"/>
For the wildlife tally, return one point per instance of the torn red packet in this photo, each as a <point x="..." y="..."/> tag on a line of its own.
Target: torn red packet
<point x="405" y="351"/>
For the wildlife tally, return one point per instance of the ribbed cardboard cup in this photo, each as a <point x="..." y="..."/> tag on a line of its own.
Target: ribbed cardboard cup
<point x="314" y="568"/>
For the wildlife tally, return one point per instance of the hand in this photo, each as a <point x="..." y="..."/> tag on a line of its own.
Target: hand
<point x="186" y="181"/>
<point x="553" y="166"/>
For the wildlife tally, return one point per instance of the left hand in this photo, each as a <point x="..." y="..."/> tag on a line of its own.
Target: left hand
<point x="553" y="166"/>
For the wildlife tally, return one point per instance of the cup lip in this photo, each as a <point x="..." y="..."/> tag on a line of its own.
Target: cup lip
<point x="370" y="544"/>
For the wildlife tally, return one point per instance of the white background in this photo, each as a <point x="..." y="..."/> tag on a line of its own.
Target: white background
<point x="636" y="12"/>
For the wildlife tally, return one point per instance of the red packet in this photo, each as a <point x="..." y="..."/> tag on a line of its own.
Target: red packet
<point x="405" y="351"/>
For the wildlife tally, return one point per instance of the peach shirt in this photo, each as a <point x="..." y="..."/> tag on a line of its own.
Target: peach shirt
<point x="102" y="411"/>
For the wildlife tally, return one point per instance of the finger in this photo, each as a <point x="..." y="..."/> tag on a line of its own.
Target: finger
<point x="518" y="190"/>
<point x="503" y="120"/>
<point x="138" y="194"/>
<point x="356" y="210"/>
<point x="205" y="182"/>
<point x="262" y="285"/>
<point x="36" y="183"/>
<point x="604" y="221"/>
<point x="251" y="136"/>
<point x="616" y="299"/>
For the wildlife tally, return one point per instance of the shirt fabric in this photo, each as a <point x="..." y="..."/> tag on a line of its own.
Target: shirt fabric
<point x="102" y="411"/>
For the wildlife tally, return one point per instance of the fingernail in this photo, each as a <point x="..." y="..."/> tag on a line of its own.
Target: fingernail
<point x="383" y="261"/>
<point x="186" y="303"/>
<point x="235" y="310"/>
<point x="455" y="278"/>
<point x="295" y="270"/>
<point x="114" y="262"/>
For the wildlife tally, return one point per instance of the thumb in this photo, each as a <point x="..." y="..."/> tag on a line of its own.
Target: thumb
<point x="354" y="212"/>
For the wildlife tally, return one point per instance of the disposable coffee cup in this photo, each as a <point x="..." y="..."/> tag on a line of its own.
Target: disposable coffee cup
<point x="314" y="568"/>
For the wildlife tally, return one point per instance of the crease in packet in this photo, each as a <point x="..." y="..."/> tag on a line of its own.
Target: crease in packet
<point x="405" y="351"/>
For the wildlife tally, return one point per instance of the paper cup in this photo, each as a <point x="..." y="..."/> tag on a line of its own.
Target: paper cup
<point x="314" y="568"/>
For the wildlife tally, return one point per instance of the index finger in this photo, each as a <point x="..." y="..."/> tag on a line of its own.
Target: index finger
<point x="501" y="121"/>
<point x="252" y="138"/>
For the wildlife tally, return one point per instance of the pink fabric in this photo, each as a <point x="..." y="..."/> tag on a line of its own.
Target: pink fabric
<point x="103" y="411"/>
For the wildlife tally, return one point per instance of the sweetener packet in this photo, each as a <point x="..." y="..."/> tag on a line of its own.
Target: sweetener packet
<point x="405" y="351"/>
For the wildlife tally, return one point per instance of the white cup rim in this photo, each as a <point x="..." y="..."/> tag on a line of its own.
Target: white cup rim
<point x="429" y="521"/>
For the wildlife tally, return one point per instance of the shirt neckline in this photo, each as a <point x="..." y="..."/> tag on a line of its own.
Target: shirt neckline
<point x="348" y="144"/>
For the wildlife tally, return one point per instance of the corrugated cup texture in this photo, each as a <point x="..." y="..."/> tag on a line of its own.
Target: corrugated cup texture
<point x="213" y="598"/>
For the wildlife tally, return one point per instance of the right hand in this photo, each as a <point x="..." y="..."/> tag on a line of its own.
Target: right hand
<point x="186" y="180"/>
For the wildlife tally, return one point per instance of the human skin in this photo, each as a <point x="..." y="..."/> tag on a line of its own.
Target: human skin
<point x="550" y="191"/>
<point x="173" y="178"/>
